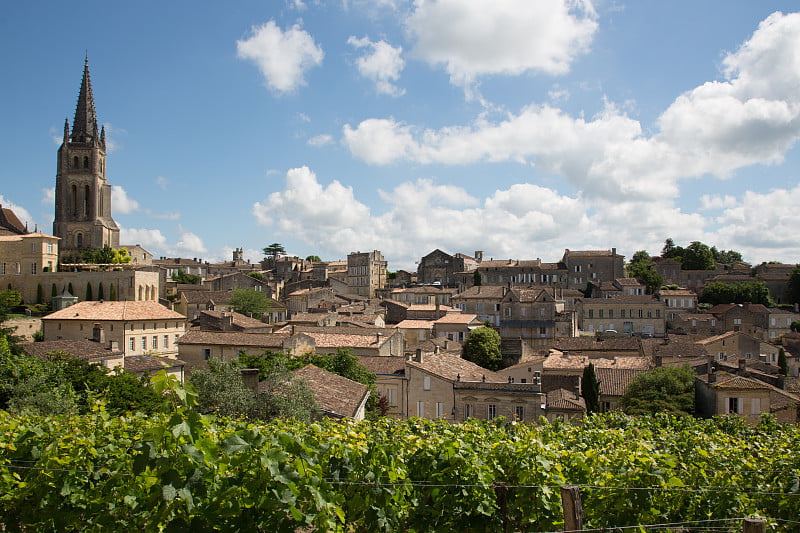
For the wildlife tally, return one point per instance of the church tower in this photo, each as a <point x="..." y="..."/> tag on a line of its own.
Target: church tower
<point x="83" y="196"/>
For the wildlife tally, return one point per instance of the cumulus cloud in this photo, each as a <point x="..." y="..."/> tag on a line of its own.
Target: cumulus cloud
<point x="283" y="57"/>
<point x="473" y="38"/>
<point x="320" y="140"/>
<point x="49" y="196"/>
<point x="120" y="203"/>
<point x="708" y="201"/>
<point x="22" y="214"/>
<point x="151" y="239"/>
<point x="381" y="63"/>
<point x="188" y="244"/>
<point x="721" y="126"/>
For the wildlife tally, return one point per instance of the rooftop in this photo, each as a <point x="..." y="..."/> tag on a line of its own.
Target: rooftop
<point x="137" y="310"/>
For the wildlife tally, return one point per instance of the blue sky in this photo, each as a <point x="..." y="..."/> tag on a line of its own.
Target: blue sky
<point x="515" y="127"/>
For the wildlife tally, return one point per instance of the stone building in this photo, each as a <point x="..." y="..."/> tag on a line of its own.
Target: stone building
<point x="440" y="267"/>
<point x="83" y="195"/>
<point x="366" y="273"/>
<point x="638" y="315"/>
<point x="595" y="266"/>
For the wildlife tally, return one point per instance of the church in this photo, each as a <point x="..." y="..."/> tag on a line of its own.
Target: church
<point x="83" y="195"/>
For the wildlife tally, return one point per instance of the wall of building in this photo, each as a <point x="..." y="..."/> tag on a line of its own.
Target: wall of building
<point x="130" y="285"/>
<point x="127" y="335"/>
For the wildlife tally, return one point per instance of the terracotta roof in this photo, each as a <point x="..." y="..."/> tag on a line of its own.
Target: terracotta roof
<point x="137" y="310"/>
<point x="614" y="381"/>
<point x="456" y="318"/>
<point x="444" y="343"/>
<point x="591" y="343"/>
<point x="338" y="340"/>
<point x="336" y="395"/>
<point x="557" y="361"/>
<point x="238" y="319"/>
<point x="715" y="338"/>
<point x="425" y="289"/>
<point x="564" y="400"/>
<point x="588" y="253"/>
<point x="85" y="350"/>
<point x="506" y="263"/>
<point x="234" y="338"/>
<point x="530" y="294"/>
<point x="205" y="296"/>
<point x="415" y="324"/>
<point x="346" y="330"/>
<point x="384" y="365"/>
<point x="727" y="382"/>
<point x="450" y="367"/>
<point x="628" y="282"/>
<point x="672" y="346"/>
<point x="490" y="292"/>
<point x="10" y="220"/>
<point x="146" y="363"/>
<point x="428" y="307"/>
<point x="677" y="292"/>
<point x="11" y="238"/>
<point x="623" y="298"/>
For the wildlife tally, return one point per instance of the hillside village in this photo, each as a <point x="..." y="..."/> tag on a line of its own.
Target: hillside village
<point x="554" y="317"/>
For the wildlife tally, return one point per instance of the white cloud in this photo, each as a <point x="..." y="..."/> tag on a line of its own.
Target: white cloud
<point x="162" y="182"/>
<point x="120" y="203"/>
<point x="113" y="134"/>
<point x="713" y="129"/>
<point x="382" y="63"/>
<point x="22" y="214"/>
<point x="303" y="117"/>
<point x="473" y="38"/>
<point x="708" y="201"/>
<point x="49" y="196"/>
<point x="151" y="239"/>
<point x="320" y="140"/>
<point x="188" y="245"/>
<point x="282" y="57"/>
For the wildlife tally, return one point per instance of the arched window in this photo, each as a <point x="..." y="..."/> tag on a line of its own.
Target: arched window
<point x="79" y="240"/>
<point x="100" y="205"/>
<point x="75" y="162"/>
<point x="85" y="162"/>
<point x="73" y="200"/>
<point x="87" y="198"/>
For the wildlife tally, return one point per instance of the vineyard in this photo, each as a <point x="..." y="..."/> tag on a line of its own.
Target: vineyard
<point x="182" y="471"/>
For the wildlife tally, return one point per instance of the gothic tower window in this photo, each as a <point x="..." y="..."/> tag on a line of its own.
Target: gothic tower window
<point x="75" y="162"/>
<point x="85" y="162"/>
<point x="73" y="200"/>
<point x="87" y="197"/>
<point x="79" y="240"/>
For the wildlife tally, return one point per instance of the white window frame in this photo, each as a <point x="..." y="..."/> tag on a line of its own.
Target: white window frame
<point x="491" y="411"/>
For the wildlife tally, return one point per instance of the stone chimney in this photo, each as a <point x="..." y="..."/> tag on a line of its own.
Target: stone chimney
<point x="98" y="334"/>
<point x="419" y="358"/>
<point x="742" y="365"/>
<point x="114" y="345"/>
<point x="250" y="378"/>
<point x="378" y="337"/>
<point x="712" y="377"/>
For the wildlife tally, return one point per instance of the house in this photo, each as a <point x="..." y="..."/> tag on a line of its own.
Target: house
<point x="197" y="347"/>
<point x="415" y="331"/>
<point x="301" y="301"/>
<point x="228" y="321"/>
<point x="239" y="280"/>
<point x="440" y="268"/>
<point x="516" y="273"/>
<point x="595" y="266"/>
<point x="173" y="265"/>
<point x="423" y="295"/>
<point x="359" y="341"/>
<point x="191" y="303"/>
<point x="563" y="404"/>
<point x="779" y="323"/>
<point x="678" y="301"/>
<point x="137" y="328"/>
<point x="481" y="300"/>
<point x="565" y="371"/>
<point x="738" y="344"/>
<point x="30" y="253"/>
<point x="747" y="318"/>
<point x="455" y="326"/>
<point x="613" y="382"/>
<point x="87" y="350"/>
<point x="637" y="315"/>
<point x="390" y="382"/>
<point x="776" y="277"/>
<point x="366" y="273"/>
<point x="10" y="223"/>
<point x="720" y="393"/>
<point x="697" y="325"/>
<point x="149" y="365"/>
<point x="337" y="396"/>
<point x="675" y="350"/>
<point x="531" y="316"/>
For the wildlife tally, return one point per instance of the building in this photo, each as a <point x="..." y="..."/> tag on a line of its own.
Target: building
<point x="595" y="266"/>
<point x="440" y="268"/>
<point x="83" y="195"/>
<point x="390" y="381"/>
<point x="721" y="393"/>
<point x="738" y="344"/>
<point x="136" y="328"/>
<point x="481" y="300"/>
<point x="678" y="301"/>
<point x="529" y="316"/>
<point x="336" y="396"/>
<point x="638" y="315"/>
<point x="366" y="273"/>
<point x="10" y="224"/>
<point x="30" y="253"/>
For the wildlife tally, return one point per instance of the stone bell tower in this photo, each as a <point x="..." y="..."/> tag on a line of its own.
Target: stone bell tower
<point x="83" y="196"/>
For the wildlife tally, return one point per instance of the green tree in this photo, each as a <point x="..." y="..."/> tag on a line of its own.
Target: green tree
<point x="112" y="292"/>
<point x="9" y="300"/>
<point x="70" y="289"/>
<point x="719" y="292"/>
<point x="100" y="293"/>
<point x="182" y="277"/>
<point x="275" y="249"/>
<point x="88" y="291"/>
<point x="793" y="285"/>
<point x="39" y="293"/>
<point x="697" y="256"/>
<point x="249" y="302"/>
<point x="482" y="347"/>
<point x="314" y="259"/>
<point x="256" y="275"/>
<point x="53" y="291"/>
<point x="641" y="268"/>
<point x="782" y="363"/>
<point x="795" y="326"/>
<point x="587" y="292"/>
<point x="663" y="389"/>
<point x="477" y="280"/>
<point x="671" y="251"/>
<point x="590" y="389"/>
<point x="725" y="257"/>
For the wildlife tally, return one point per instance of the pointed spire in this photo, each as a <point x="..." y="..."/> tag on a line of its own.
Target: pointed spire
<point x="103" y="137"/>
<point x="84" y="126"/>
<point x="66" y="130"/>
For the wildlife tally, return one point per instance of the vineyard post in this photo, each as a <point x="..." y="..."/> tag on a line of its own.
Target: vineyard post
<point x="754" y="525"/>
<point x="573" y="508"/>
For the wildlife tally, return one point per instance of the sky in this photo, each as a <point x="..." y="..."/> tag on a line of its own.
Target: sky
<point x="515" y="127"/>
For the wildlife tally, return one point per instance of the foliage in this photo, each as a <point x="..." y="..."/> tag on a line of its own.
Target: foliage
<point x="89" y="291"/>
<point x="477" y="280"/>
<point x="39" y="293"/>
<point x="641" y="268"/>
<point x="10" y="299"/>
<point x="719" y="292"/>
<point x="275" y="249"/>
<point x="112" y="292"/>
<point x="249" y="302"/>
<point x="782" y="363"/>
<point x="183" y="278"/>
<point x="100" y="293"/>
<point x="482" y="347"/>
<point x="186" y="472"/>
<point x="725" y="257"/>
<point x="256" y="275"/>
<point x="671" y="251"/>
<point x="697" y="256"/>
<point x="587" y="292"/>
<point x="314" y="259"/>
<point x="590" y="389"/>
<point x="663" y="389"/>
<point x="793" y="285"/>
<point x="795" y="325"/>
<point x="105" y="255"/>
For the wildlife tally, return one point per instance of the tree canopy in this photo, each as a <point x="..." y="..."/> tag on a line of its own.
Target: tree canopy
<point x="249" y="302"/>
<point x="10" y="299"/>
<point x="185" y="279"/>
<point x="482" y="347"/>
<point x="590" y="389"/>
<point x="314" y="259"/>
<point x="106" y="255"/>
<point x="641" y="268"/>
<point x="793" y="285"/>
<point x="719" y="292"/>
<point x="663" y="389"/>
<point x="697" y="256"/>
<point x="275" y="249"/>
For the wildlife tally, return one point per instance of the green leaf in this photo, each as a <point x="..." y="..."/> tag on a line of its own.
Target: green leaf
<point x="234" y="444"/>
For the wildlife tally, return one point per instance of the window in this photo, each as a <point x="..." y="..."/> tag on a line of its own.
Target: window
<point x="166" y="341"/>
<point x="392" y="396"/>
<point x="176" y="338"/>
<point x="755" y="406"/>
<point x="420" y="409"/>
<point x="721" y="356"/>
<point x="206" y="354"/>
<point x="33" y="268"/>
<point x="439" y="410"/>
<point x="426" y="383"/>
<point x="610" y="313"/>
<point x="519" y="413"/>
<point x="507" y="311"/>
<point x="591" y="313"/>
<point x="18" y="268"/>
<point x="641" y="313"/>
<point x="491" y="411"/>
<point x="155" y="342"/>
<point x="599" y="313"/>
<point x="658" y="313"/>
<point x="144" y="343"/>
<point x="737" y="321"/>
<point x="2" y="269"/>
<point x="469" y="411"/>
<point x="733" y="405"/>
<point x="542" y="331"/>
<point x="133" y="343"/>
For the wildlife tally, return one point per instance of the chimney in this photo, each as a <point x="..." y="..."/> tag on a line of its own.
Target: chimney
<point x="250" y="378"/>
<point x="98" y="334"/>
<point x="378" y="337"/>
<point x="114" y="346"/>
<point x="479" y="256"/>
<point x="712" y="377"/>
<point x="742" y="364"/>
<point x="419" y="358"/>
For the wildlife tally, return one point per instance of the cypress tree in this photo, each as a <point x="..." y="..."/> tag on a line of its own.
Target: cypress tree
<point x="782" y="364"/>
<point x="71" y="290"/>
<point x="112" y="293"/>
<point x="88" y="291"/>
<point x="53" y="291"/>
<point x="590" y="389"/>
<point x="39" y="293"/>
<point x="100" y="294"/>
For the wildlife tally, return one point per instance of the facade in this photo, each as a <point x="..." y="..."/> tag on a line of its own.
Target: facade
<point x="595" y="266"/>
<point x="440" y="268"/>
<point x="520" y="273"/>
<point x="128" y="284"/>
<point x="456" y="326"/>
<point x="83" y="195"/>
<point x="135" y="328"/>
<point x="390" y="381"/>
<point x="303" y="300"/>
<point x="638" y="315"/>
<point x="483" y="301"/>
<point x="31" y="253"/>
<point x="678" y="301"/>
<point x="721" y="393"/>
<point x="366" y="273"/>
<point x="737" y="344"/>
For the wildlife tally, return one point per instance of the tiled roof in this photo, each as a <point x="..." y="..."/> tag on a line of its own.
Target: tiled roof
<point x="728" y="382"/>
<point x="138" y="310"/>
<point x="238" y="319"/>
<point x="481" y="292"/>
<point x="716" y="338"/>
<point x="557" y="361"/>
<point x="628" y="282"/>
<point x="346" y="330"/>
<point x="451" y="367"/>
<point x="428" y="307"/>
<point x="338" y="340"/>
<point x="234" y="338"/>
<point x="505" y="263"/>
<point x="415" y="324"/>
<point x="443" y="343"/>
<point x="591" y="343"/>
<point x="564" y="400"/>
<point x="386" y="365"/>
<point x="779" y="399"/>
<point x="425" y="289"/>
<point x="792" y="385"/>
<point x="206" y="296"/>
<point x="530" y="294"/>
<point x="456" y="318"/>
<point x="614" y="381"/>
<point x="78" y="349"/>
<point x="10" y="219"/>
<point x="623" y="298"/>
<point x="674" y="345"/>
<point x="146" y="363"/>
<point x="334" y="394"/>
<point x="677" y="292"/>
<point x="588" y="253"/>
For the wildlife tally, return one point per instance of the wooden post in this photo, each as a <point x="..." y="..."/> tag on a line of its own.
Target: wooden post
<point x="754" y="525"/>
<point x="573" y="508"/>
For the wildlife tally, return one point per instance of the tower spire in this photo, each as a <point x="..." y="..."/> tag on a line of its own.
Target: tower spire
<point x="84" y="126"/>
<point x="66" y="130"/>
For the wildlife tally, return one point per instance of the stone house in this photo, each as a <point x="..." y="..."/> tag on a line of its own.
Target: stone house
<point x="669" y="270"/>
<point x="88" y="350"/>
<point x="747" y="318"/>
<point x="613" y="382"/>
<point x="455" y="326"/>
<point x="738" y="344"/>
<point x="529" y="316"/>
<point x="698" y="325"/>
<point x="191" y="303"/>
<point x="303" y="300"/>
<point x="516" y="273"/>
<point x="390" y="382"/>
<point x="439" y="267"/>
<point x="172" y="265"/>
<point x="239" y="280"/>
<point x="415" y="331"/>
<point x="366" y="273"/>
<point x="595" y="266"/>
<point x="483" y="301"/>
<point x="196" y="347"/>
<point x="136" y="328"/>
<point x="720" y="393"/>
<point x="31" y="253"/>
<point x="423" y="295"/>
<point x="637" y="315"/>
<point x="337" y="396"/>
<point x="564" y="404"/>
<point x="778" y="323"/>
<point x="678" y="301"/>
<point x="228" y="321"/>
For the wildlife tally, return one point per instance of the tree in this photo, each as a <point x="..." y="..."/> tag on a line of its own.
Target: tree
<point x="482" y="347"/>
<point x="782" y="363"/>
<point x="663" y="389"/>
<point x="793" y="285"/>
<point x="112" y="292"/>
<point x="105" y="255"/>
<point x="88" y="291"/>
<point x="70" y="289"/>
<point x="39" y="293"/>
<point x="795" y="326"/>
<point x="256" y="275"/>
<point x="9" y="300"/>
<point x="314" y="259"/>
<point x="719" y="292"/>
<point x="100" y="293"/>
<point x="587" y="292"/>
<point x="477" y="280"/>
<point x="697" y="256"/>
<point x="641" y="268"/>
<point x="725" y="257"/>
<point x="53" y="291"/>
<point x="183" y="278"/>
<point x="275" y="249"/>
<point x="249" y="302"/>
<point x="671" y="251"/>
<point x="590" y="389"/>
